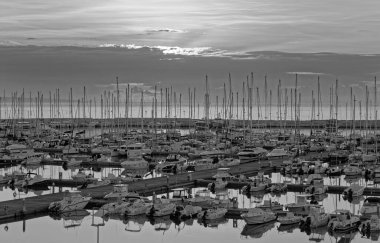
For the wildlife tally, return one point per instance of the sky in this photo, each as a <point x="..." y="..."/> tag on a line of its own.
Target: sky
<point x="341" y="26"/>
<point x="45" y="45"/>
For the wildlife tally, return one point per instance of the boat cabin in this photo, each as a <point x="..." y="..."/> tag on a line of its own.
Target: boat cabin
<point x="342" y="214"/>
<point x="181" y="193"/>
<point x="203" y="193"/>
<point x="223" y="174"/>
<point x="301" y="199"/>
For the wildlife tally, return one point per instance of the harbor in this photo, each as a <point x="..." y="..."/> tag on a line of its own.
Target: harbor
<point x="189" y="121"/>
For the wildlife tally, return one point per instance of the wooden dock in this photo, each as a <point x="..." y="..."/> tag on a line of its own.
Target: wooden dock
<point x="21" y="208"/>
<point x="15" y="210"/>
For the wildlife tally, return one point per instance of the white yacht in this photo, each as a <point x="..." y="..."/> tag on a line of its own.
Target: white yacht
<point x="228" y="162"/>
<point x="370" y="206"/>
<point x="289" y="219"/>
<point x="137" y="150"/>
<point x="135" y="163"/>
<point x="316" y="218"/>
<point x="33" y="159"/>
<point x="137" y="207"/>
<point x="354" y="190"/>
<point x="186" y="212"/>
<point x="278" y="154"/>
<point x="353" y="169"/>
<point x="212" y="213"/>
<point x="258" y="216"/>
<point x="161" y="207"/>
<point x="201" y="164"/>
<point x="74" y="201"/>
<point x="201" y="198"/>
<point x="301" y="204"/>
<point x="344" y="221"/>
<point x="316" y="186"/>
<point x="251" y="154"/>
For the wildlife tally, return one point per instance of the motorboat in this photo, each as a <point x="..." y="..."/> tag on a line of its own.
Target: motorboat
<point x="171" y="163"/>
<point x="258" y="216"/>
<point x="373" y="223"/>
<point x="270" y="205"/>
<point x="12" y="177"/>
<point x="112" y="208"/>
<point x="82" y="176"/>
<point x="334" y="171"/>
<point x="137" y="206"/>
<point x="120" y="191"/>
<point x="201" y="198"/>
<point x="222" y="200"/>
<point x="180" y="194"/>
<point x="161" y="207"/>
<point x="353" y="169"/>
<point x="301" y="204"/>
<point x="94" y="184"/>
<point x="137" y="150"/>
<point x="122" y="150"/>
<point x="278" y="154"/>
<point x="370" y="206"/>
<point x="259" y="183"/>
<point x="247" y="155"/>
<point x="289" y="218"/>
<point x="218" y="184"/>
<point x="134" y="163"/>
<point x="30" y="181"/>
<point x="316" y="186"/>
<point x="228" y="162"/>
<point x="71" y="202"/>
<point x="33" y="159"/>
<point x="316" y="218"/>
<point x="212" y="213"/>
<point x="344" y="221"/>
<point x="120" y="179"/>
<point x="354" y="190"/>
<point x="202" y="164"/>
<point x="277" y="188"/>
<point x="186" y="212"/>
<point x="221" y="177"/>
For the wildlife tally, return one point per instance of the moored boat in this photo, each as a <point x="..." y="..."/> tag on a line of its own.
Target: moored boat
<point x="258" y="216"/>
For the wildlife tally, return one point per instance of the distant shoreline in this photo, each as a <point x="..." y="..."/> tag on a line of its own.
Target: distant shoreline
<point x="190" y="123"/>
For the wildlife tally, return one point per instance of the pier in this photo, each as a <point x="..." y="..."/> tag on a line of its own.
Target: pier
<point x="20" y="208"/>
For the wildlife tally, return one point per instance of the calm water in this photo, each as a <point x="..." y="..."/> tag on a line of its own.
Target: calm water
<point x="164" y="230"/>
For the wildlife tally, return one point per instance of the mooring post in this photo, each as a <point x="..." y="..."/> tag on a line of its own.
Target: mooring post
<point x="154" y="197"/>
<point x="23" y="206"/>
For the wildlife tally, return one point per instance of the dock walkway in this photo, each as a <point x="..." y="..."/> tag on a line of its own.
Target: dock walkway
<point x="23" y="208"/>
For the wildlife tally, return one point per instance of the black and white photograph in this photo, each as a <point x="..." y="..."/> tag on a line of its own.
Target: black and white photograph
<point x="182" y="121"/>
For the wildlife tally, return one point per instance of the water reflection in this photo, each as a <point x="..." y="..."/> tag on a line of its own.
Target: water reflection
<point x="257" y="231"/>
<point x="223" y="230"/>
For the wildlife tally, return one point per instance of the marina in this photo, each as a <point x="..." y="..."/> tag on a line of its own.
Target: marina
<point x="189" y="121"/>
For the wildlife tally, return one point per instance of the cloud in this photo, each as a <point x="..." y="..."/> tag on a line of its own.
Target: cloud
<point x="166" y="30"/>
<point x="172" y="50"/>
<point x="305" y="73"/>
<point x="10" y="43"/>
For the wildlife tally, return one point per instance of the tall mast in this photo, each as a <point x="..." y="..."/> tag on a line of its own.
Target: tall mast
<point x="118" y="102"/>
<point x="295" y="107"/>
<point x="336" y="105"/>
<point x="375" y="108"/>
<point x="265" y="97"/>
